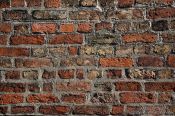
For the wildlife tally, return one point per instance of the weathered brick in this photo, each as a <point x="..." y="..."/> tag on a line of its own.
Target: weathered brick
<point x="59" y="51"/>
<point x="21" y="29"/>
<point x="141" y="74"/>
<point x="70" y="3"/>
<point x="103" y="98"/>
<point x="161" y="25"/>
<point x="31" y="75"/>
<point x="33" y="63"/>
<point x="49" y="14"/>
<point x="103" y="39"/>
<point x="17" y="15"/>
<point x="88" y="3"/>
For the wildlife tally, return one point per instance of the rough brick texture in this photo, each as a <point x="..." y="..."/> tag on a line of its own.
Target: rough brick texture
<point x="87" y="57"/>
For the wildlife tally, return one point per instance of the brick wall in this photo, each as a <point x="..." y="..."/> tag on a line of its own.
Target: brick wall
<point x="87" y="57"/>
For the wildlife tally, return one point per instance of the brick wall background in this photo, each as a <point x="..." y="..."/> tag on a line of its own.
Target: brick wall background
<point x="88" y="57"/>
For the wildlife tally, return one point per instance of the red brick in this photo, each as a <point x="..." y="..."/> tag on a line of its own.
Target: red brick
<point x="11" y="99"/>
<point x="22" y="109"/>
<point x="34" y="63"/>
<point x="12" y="87"/>
<point x="171" y="60"/>
<point x="116" y="62"/>
<point x="33" y="40"/>
<point x="80" y="74"/>
<point x="74" y="98"/>
<point x="125" y="3"/>
<point x="4" y="4"/>
<point x="12" y="75"/>
<point x="3" y="109"/>
<point x="139" y="97"/>
<point x="66" y="74"/>
<point x="160" y="86"/>
<point x="127" y="86"/>
<point x="47" y="87"/>
<point x="141" y="37"/>
<point x="17" y="3"/>
<point x="67" y="39"/>
<point x="91" y="110"/>
<point x="67" y="28"/>
<point x="158" y="13"/>
<point x="103" y="25"/>
<point x="150" y="61"/>
<point x="33" y="87"/>
<point x="117" y="110"/>
<point x="73" y="50"/>
<point x="42" y="98"/>
<point x="48" y="74"/>
<point x="84" y="28"/>
<point x="14" y="52"/>
<point x="53" y="110"/>
<point x="113" y="73"/>
<point x="44" y="28"/>
<point x="3" y="39"/>
<point x="33" y="3"/>
<point x="52" y="3"/>
<point x="74" y="86"/>
<point x="5" y="27"/>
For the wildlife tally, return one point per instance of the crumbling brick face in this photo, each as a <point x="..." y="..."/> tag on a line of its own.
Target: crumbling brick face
<point x="87" y="57"/>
